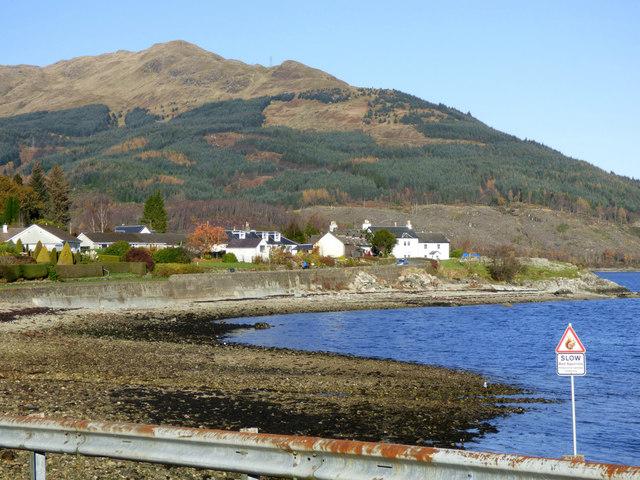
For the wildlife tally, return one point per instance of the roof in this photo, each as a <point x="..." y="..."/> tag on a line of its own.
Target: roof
<point x="4" y="237"/>
<point x="252" y="242"/>
<point x="130" y="228"/>
<point x="351" y="237"/>
<point x="61" y="234"/>
<point x="432" y="237"/>
<point x="398" y="232"/>
<point x="149" y="238"/>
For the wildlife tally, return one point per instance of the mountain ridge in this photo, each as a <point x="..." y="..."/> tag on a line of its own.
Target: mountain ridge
<point x="186" y="122"/>
<point x="177" y="73"/>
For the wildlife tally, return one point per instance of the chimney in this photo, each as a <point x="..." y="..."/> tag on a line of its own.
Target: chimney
<point x="5" y="229"/>
<point x="333" y="226"/>
<point x="409" y="226"/>
<point x="366" y="224"/>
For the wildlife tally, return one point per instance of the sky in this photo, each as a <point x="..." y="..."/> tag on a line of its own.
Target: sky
<point x="565" y="73"/>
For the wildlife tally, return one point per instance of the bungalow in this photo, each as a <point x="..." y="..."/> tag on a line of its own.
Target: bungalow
<point x="95" y="240"/>
<point x="132" y="229"/>
<point x="49" y="237"/>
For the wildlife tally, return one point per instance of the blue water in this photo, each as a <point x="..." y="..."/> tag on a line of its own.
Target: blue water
<point x="515" y="345"/>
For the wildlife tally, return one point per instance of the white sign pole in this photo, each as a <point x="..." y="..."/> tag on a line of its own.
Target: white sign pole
<point x="573" y="414"/>
<point x="571" y="361"/>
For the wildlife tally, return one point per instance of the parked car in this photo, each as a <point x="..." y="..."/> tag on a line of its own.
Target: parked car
<point x="402" y="261"/>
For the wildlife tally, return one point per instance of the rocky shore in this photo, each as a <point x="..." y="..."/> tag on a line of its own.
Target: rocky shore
<point x="168" y="365"/>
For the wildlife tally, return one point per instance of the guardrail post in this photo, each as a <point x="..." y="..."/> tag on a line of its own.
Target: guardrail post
<point x="37" y="466"/>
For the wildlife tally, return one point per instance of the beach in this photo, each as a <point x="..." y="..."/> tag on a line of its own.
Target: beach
<point x="170" y="365"/>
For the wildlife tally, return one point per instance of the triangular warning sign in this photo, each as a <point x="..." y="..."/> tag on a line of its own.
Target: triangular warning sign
<point x="570" y="342"/>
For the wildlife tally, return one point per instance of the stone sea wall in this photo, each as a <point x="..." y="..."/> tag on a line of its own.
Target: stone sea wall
<point x="215" y="286"/>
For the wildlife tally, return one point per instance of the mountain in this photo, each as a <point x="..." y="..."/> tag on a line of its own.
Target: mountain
<point x="167" y="78"/>
<point x="183" y="121"/>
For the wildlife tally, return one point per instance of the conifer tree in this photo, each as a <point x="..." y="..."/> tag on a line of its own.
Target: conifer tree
<point x="43" y="256"/>
<point x="154" y="214"/>
<point x="38" y="183"/>
<point x="57" y="206"/>
<point x="53" y="256"/>
<point x="19" y="247"/>
<point x="36" y="251"/>
<point x="66" y="257"/>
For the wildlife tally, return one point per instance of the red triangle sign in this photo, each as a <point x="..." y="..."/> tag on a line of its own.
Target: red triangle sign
<point x="570" y="342"/>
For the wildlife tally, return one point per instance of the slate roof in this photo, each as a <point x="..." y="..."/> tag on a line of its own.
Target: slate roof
<point x="432" y="238"/>
<point x="4" y="237"/>
<point x="61" y="234"/>
<point x="149" y="238"/>
<point x="398" y="232"/>
<point x="252" y="242"/>
<point x="130" y="228"/>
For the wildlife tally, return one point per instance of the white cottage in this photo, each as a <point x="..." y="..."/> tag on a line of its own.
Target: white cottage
<point x="49" y="237"/>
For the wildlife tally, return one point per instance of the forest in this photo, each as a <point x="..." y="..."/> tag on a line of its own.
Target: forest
<point x="222" y="151"/>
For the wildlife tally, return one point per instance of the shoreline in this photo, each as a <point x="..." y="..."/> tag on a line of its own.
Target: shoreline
<point x="167" y="365"/>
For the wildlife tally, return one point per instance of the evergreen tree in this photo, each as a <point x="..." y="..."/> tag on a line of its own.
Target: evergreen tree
<point x="17" y="179"/>
<point x="66" y="256"/>
<point x="39" y="185"/>
<point x="11" y="210"/>
<point x="383" y="241"/>
<point x="57" y="206"/>
<point x="155" y="215"/>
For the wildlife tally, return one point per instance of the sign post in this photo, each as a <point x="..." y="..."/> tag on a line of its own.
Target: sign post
<point x="570" y="361"/>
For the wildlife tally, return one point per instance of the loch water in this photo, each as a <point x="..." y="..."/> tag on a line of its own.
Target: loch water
<point x="514" y="345"/>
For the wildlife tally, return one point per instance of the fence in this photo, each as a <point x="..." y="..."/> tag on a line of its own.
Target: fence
<point x="281" y="456"/>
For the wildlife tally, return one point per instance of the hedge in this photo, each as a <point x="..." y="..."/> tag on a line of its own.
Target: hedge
<point x="108" y="258"/>
<point x="79" y="271"/>
<point x="28" y="271"/>
<point x="137" y="268"/>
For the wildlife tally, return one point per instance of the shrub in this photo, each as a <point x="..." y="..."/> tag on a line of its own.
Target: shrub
<point x="10" y="272"/>
<point x="118" y="248"/>
<point x="43" y="255"/>
<point x="19" y="247"/>
<point x="456" y="253"/>
<point x="36" y="251"/>
<point x="33" y="271"/>
<point x="172" y="255"/>
<point x="328" y="261"/>
<point x="108" y="258"/>
<point x="229" y="258"/>
<point x="140" y="255"/>
<point x="66" y="257"/>
<point x="53" y="255"/>
<point x="504" y="265"/>
<point x="168" y="269"/>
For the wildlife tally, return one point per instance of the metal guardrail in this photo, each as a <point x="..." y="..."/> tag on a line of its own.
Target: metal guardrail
<point x="281" y="456"/>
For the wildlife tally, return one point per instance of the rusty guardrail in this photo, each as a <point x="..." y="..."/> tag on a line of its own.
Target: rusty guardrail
<point x="279" y="455"/>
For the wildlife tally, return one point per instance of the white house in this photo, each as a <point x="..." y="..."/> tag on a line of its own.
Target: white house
<point x="95" y="240"/>
<point x="337" y="243"/>
<point x="412" y="244"/>
<point x="49" y="237"/>
<point x="247" y="244"/>
<point x="248" y="249"/>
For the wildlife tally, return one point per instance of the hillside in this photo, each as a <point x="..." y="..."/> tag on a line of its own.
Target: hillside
<point x="533" y="231"/>
<point x="196" y="127"/>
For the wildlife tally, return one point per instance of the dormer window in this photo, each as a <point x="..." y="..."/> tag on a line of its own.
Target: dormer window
<point x="242" y="235"/>
<point x="276" y="236"/>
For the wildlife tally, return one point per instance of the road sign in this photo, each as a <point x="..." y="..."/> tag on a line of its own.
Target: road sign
<point x="571" y="361"/>
<point x="570" y="343"/>
<point x="571" y="364"/>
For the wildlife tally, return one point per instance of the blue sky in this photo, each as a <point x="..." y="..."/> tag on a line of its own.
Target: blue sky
<point x="565" y="73"/>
